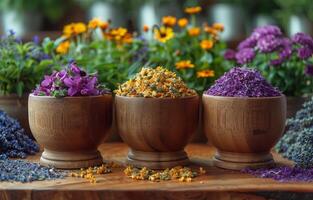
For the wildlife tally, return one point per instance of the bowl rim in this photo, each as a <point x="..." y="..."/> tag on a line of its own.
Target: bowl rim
<point x="243" y="98"/>
<point x="152" y="98"/>
<point x="69" y="97"/>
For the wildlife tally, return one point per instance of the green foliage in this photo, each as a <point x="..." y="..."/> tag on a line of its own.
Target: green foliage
<point x="53" y="9"/>
<point x="22" y="65"/>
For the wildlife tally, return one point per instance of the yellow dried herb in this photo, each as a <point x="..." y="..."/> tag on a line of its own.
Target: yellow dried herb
<point x="155" y="83"/>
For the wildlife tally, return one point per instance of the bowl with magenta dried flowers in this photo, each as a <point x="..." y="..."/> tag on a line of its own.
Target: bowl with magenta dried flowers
<point x="70" y="114"/>
<point x="286" y="63"/>
<point x="243" y="117"/>
<point x="156" y="115"/>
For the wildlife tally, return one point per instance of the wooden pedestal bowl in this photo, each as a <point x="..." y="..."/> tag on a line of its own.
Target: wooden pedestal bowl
<point x="156" y="129"/>
<point x="243" y="129"/>
<point x="70" y="129"/>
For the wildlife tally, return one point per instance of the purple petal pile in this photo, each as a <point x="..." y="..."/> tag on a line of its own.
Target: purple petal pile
<point x="283" y="173"/>
<point x="72" y="81"/>
<point x="242" y="82"/>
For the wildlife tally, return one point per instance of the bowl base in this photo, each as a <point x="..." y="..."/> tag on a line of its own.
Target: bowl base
<point x="239" y="161"/>
<point x="70" y="160"/>
<point x="157" y="160"/>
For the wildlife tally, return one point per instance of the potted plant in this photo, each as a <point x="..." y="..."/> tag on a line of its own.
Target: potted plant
<point x="70" y="114"/>
<point x="285" y="62"/>
<point x="27" y="16"/>
<point x="243" y="117"/>
<point x="21" y="66"/>
<point x="151" y="118"/>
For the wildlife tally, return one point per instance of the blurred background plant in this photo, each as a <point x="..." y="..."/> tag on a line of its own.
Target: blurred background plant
<point x="287" y="63"/>
<point x="22" y="65"/>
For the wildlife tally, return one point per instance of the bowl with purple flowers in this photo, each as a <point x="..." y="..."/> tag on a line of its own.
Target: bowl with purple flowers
<point x="70" y="114"/>
<point x="243" y="117"/>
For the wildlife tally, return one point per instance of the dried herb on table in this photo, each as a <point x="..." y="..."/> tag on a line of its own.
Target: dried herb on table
<point x="283" y="174"/>
<point x="91" y="172"/>
<point x="242" y="82"/>
<point x="24" y="171"/>
<point x="14" y="142"/>
<point x="297" y="142"/>
<point x="183" y="174"/>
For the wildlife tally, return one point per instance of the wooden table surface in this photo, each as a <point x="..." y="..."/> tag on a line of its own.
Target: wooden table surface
<point x="215" y="184"/>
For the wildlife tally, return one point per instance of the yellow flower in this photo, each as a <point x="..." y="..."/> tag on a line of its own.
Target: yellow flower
<point x="63" y="47"/>
<point x="193" y="10"/>
<point x="119" y="35"/>
<point x="74" y="29"/>
<point x="184" y="64"/>
<point x="205" y="73"/>
<point x="218" y="26"/>
<point x="97" y="23"/>
<point x="169" y="21"/>
<point x="163" y="34"/>
<point x="195" y="31"/>
<point x="145" y="28"/>
<point x="182" y="22"/>
<point x="206" y="44"/>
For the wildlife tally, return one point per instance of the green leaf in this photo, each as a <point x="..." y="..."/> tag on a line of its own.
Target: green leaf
<point x="20" y="88"/>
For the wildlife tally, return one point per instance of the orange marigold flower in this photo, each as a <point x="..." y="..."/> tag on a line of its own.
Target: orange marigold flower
<point x="205" y="73"/>
<point x="145" y="28"/>
<point x="184" y="64"/>
<point x="193" y="10"/>
<point x="182" y="22"/>
<point x="94" y="23"/>
<point x="206" y="44"/>
<point x="195" y="31"/>
<point x="218" y="26"/>
<point x="163" y="34"/>
<point x="210" y="30"/>
<point x="63" y="47"/>
<point x="169" y="21"/>
<point x="74" y="29"/>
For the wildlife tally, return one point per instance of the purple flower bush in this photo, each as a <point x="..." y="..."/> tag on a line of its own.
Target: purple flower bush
<point x="285" y="62"/>
<point x="72" y="81"/>
<point x="242" y="82"/>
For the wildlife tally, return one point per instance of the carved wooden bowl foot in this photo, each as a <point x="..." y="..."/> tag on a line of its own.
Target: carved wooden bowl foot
<point x="239" y="161"/>
<point x="73" y="160"/>
<point x="157" y="160"/>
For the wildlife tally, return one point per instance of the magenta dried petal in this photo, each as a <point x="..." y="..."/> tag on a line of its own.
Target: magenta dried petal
<point x="242" y="82"/>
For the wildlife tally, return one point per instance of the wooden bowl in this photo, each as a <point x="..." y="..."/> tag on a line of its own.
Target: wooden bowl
<point x="156" y="129"/>
<point x="243" y="129"/>
<point x="70" y="129"/>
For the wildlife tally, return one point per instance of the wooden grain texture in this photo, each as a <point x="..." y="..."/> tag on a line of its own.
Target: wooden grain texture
<point x="215" y="184"/>
<point x="243" y="129"/>
<point x="70" y="129"/>
<point x="157" y="129"/>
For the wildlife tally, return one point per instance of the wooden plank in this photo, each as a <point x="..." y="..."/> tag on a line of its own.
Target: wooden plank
<point x="215" y="184"/>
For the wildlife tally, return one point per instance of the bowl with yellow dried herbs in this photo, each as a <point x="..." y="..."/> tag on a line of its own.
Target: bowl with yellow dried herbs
<point x="156" y="115"/>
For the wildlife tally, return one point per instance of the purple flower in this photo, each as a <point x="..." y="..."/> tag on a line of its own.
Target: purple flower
<point x="75" y="69"/>
<point x="286" y="48"/>
<point x="230" y="54"/>
<point x="245" y="55"/>
<point x="36" y="39"/>
<point x="71" y="81"/>
<point x="268" y="43"/>
<point x="276" y="62"/>
<point x="266" y="30"/>
<point x="309" y="70"/>
<point x="305" y="53"/>
<point x="250" y="42"/>
<point x="303" y="39"/>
